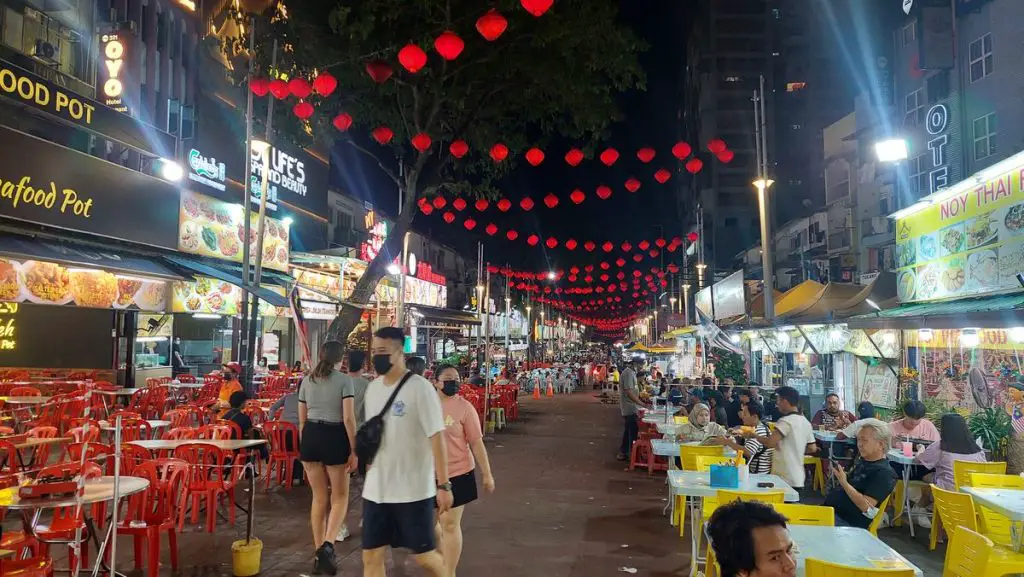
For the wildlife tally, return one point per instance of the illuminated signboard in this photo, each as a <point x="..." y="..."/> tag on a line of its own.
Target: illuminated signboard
<point x="936" y="123"/>
<point x="376" y="232"/>
<point x="206" y="170"/>
<point x="189" y="5"/>
<point x="113" y="70"/>
<point x="8" y="337"/>
<point x="285" y="181"/>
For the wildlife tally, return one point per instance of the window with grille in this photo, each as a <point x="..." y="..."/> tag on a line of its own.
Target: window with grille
<point x="985" y="136"/>
<point x="914" y="104"/>
<point x="918" y="174"/>
<point x="980" y="52"/>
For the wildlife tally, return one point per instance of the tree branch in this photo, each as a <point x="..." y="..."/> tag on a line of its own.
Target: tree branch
<point x="390" y="173"/>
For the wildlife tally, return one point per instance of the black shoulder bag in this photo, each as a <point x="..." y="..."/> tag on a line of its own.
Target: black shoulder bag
<point x="371" y="434"/>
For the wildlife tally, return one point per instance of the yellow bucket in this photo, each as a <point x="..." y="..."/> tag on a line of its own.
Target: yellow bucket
<point x="245" y="557"/>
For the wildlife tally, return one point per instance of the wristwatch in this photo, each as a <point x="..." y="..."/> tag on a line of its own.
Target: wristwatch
<point x="445" y="487"/>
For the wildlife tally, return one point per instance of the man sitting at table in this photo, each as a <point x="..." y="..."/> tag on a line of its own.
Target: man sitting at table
<point x="831" y="417"/>
<point x="750" y="539"/>
<point x="870" y="481"/>
<point x="236" y="416"/>
<point x="913" y="425"/>
<point x="758" y="457"/>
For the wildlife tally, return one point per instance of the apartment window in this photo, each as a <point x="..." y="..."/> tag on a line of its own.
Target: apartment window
<point x="795" y="86"/>
<point x="985" y="136"/>
<point x="909" y="33"/>
<point x="144" y="23"/>
<point x="918" y="174"/>
<point x="914" y="105"/>
<point x="884" y="205"/>
<point x="981" y="57"/>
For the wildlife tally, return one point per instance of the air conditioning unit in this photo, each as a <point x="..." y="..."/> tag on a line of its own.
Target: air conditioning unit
<point x="45" y="51"/>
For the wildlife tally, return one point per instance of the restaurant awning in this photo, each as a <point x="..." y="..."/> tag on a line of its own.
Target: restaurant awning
<point x="822" y="305"/>
<point x="989" y="312"/>
<point x="682" y="332"/>
<point x="226" y="274"/>
<point x="881" y="292"/>
<point x="71" y="253"/>
<point x="433" y="317"/>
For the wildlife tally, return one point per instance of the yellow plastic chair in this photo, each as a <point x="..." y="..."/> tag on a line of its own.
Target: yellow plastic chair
<point x="688" y="454"/>
<point x="680" y="420"/>
<point x="726" y="496"/>
<point x="814" y="515"/>
<point x="962" y="471"/>
<point x="898" y="502"/>
<point x="819" y="568"/>
<point x="971" y="554"/>
<point x="704" y="463"/>
<point x="873" y="527"/>
<point x="995" y="481"/>
<point x="818" y="477"/>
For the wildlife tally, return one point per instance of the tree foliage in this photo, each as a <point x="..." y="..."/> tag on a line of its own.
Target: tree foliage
<point x="553" y="76"/>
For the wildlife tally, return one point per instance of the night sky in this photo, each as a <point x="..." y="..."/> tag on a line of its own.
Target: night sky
<point x="650" y="119"/>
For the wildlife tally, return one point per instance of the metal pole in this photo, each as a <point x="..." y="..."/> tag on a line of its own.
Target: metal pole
<point x="400" y="316"/>
<point x="508" y="326"/>
<point x="260" y="229"/>
<point x="762" y="203"/>
<point x="487" y="347"/>
<point x="243" y="347"/>
<point x="479" y="302"/>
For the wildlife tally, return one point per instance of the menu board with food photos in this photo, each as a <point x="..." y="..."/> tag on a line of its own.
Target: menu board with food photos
<point x="39" y="282"/>
<point x="969" y="244"/>
<point x="214" y="228"/>
<point x="211" y="296"/>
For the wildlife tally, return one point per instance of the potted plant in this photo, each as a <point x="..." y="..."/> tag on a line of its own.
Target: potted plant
<point x="993" y="427"/>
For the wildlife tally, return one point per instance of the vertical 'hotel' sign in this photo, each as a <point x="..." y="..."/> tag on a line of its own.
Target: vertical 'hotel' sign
<point x="114" y="59"/>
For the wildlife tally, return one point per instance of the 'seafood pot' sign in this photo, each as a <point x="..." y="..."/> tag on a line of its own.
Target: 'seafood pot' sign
<point x="51" y="185"/>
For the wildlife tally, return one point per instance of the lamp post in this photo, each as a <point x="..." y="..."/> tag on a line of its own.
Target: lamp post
<point x="686" y="304"/>
<point x="893" y="151"/>
<point x="529" y="335"/>
<point x="543" y="342"/>
<point x="762" y="185"/>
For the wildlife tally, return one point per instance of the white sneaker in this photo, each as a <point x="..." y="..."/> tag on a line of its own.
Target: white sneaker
<point x="922" y="516"/>
<point x="343" y="534"/>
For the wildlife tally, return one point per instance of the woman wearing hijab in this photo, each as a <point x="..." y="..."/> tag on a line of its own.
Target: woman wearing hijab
<point x="955" y="444"/>
<point x="701" y="427"/>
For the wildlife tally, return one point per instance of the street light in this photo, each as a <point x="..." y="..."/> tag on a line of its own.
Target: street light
<point x="394" y="269"/>
<point x="762" y="185"/>
<point x="170" y="171"/>
<point x="551" y="275"/>
<point x="892" y="150"/>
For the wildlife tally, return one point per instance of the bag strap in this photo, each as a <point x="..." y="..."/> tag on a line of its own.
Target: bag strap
<point x="391" y="399"/>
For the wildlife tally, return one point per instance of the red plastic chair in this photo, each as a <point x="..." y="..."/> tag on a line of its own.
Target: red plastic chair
<point x="236" y="430"/>
<point x="93" y="452"/>
<point x="25" y="391"/>
<point x="132" y="456"/>
<point x="257" y="415"/>
<point x="135" y="430"/>
<point x="177" y="418"/>
<point x="179" y="433"/>
<point x="125" y="415"/>
<point x="85" y="434"/>
<point x="186" y="378"/>
<point x="155" y="511"/>
<point x="210" y="477"/>
<point x="67" y="520"/>
<point x="214" y="432"/>
<point x="284" y="450"/>
<point x="35" y="566"/>
<point x="16" y="541"/>
<point x="5" y="431"/>
<point x="41" y="454"/>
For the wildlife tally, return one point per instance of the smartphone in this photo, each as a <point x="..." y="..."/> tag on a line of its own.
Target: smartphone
<point x="765" y="485"/>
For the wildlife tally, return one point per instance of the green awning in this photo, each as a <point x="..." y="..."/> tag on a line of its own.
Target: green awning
<point x="989" y="312"/>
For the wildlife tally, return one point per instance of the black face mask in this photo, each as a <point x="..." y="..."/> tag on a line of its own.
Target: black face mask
<point x="382" y="363"/>
<point x="450" y="388"/>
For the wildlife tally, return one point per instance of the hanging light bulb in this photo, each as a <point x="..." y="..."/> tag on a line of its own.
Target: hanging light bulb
<point x="969" y="338"/>
<point x="925" y="335"/>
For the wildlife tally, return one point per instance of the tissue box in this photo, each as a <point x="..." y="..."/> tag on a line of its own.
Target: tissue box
<point x="725" y="477"/>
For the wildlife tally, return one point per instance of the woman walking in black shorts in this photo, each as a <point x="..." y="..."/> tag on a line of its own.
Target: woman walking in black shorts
<point x="327" y="429"/>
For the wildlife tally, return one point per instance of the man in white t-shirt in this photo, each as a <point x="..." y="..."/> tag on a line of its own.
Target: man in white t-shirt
<point x="410" y="469"/>
<point x="792" y="438"/>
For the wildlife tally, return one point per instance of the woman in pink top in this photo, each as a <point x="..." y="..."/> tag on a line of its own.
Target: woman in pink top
<point x="956" y="444"/>
<point x="465" y="440"/>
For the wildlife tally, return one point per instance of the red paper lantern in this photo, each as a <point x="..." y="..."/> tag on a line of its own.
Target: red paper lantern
<point x="303" y="110"/>
<point x="491" y="25"/>
<point x="537" y="7"/>
<point x="604" y="278"/>
<point x="571" y="244"/>
<point x="470" y="224"/>
<point x="421" y="141"/>
<point x="644" y="245"/>
<point x="604" y="192"/>
<point x="491" y="229"/>
<point x="532" y="240"/>
<point x="681" y="150"/>
<point x="607" y="246"/>
<point x="535" y="156"/>
<point x="588" y="279"/>
<point x="481" y="204"/>
<point x="676" y="240"/>
<point x="449" y="217"/>
<point x="572" y="278"/>
<point x="620" y="275"/>
<point x="379" y="71"/>
<point x="412" y="58"/>
<point x="662" y="175"/>
<point x="577" y="196"/>
<point x="574" y="157"/>
<point x="439" y="202"/>
<point x="609" y="156"/>
<point x="459" y="204"/>
<point x="426" y="208"/>
<point x="551" y="201"/>
<point x="694" y="165"/>
<point x="645" y="155"/>
<point x="660" y="243"/>
<point x="620" y="262"/>
<point x="638" y="257"/>
<point x="605" y="266"/>
<point x="259" y="86"/>
<point x="632" y="185"/>
<point x="342" y="122"/>
<point x="551" y="242"/>
<point x="716" y="145"/>
<point x="279" y="88"/>
<point x="526" y="203"/>
<point x="382" y="134"/>
<point x="324" y="84"/>
<point x="691" y="236"/>
<point x="590" y="246"/>
<point x="511" y="235"/>
<point x="504" y="205"/>
<point x="637" y="274"/>
<point x="653" y="252"/>
<point x="299" y="87"/>
<point x="449" y="45"/>
<point x="726" y="156"/>
<point x="458" y="148"/>
<point x="499" y="152"/>
<point x="673" y="268"/>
